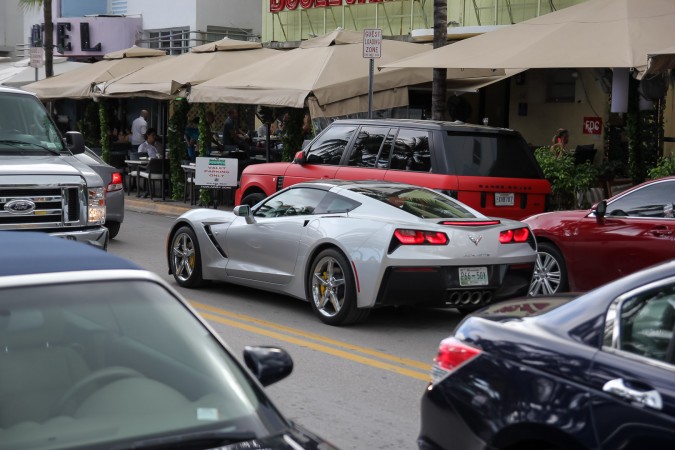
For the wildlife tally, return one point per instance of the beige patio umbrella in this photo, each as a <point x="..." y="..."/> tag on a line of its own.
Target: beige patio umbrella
<point x="77" y="83"/>
<point x="19" y="73"/>
<point x="331" y="69"/>
<point x="167" y="79"/>
<point x="595" y="33"/>
<point x="661" y="61"/>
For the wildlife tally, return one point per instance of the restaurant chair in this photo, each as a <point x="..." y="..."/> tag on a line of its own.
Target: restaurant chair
<point x="154" y="174"/>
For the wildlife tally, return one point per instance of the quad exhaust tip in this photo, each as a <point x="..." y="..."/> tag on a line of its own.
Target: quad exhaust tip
<point x="464" y="298"/>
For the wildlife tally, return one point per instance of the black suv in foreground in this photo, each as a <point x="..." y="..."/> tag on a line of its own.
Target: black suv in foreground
<point x="490" y="169"/>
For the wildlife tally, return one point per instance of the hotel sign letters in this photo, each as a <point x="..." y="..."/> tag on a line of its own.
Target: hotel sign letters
<point x="280" y="5"/>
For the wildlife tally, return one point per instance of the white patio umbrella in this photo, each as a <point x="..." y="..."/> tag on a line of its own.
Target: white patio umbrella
<point x="331" y="69"/>
<point x="167" y="79"/>
<point x="77" y="83"/>
<point x="661" y="61"/>
<point x="596" y="33"/>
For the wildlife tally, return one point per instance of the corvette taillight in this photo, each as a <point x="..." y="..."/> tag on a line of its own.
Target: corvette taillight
<point x="419" y="237"/>
<point x="514" y="236"/>
<point x="452" y="354"/>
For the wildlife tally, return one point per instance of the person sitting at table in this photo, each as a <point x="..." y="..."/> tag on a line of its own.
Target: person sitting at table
<point x="232" y="135"/>
<point x="148" y="146"/>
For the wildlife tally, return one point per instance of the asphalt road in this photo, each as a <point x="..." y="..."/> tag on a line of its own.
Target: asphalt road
<point x="357" y="386"/>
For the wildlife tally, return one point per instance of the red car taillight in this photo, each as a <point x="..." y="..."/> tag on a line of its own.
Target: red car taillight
<point x="418" y="237"/>
<point x="116" y="183"/>
<point x="518" y="235"/>
<point x="452" y="354"/>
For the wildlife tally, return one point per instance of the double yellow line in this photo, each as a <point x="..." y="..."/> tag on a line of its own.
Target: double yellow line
<point x="355" y="353"/>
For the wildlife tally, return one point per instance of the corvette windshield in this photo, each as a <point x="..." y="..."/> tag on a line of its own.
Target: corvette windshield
<point x="423" y="203"/>
<point x="26" y="126"/>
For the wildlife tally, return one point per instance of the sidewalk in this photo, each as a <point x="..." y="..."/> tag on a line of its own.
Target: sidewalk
<point x="173" y="208"/>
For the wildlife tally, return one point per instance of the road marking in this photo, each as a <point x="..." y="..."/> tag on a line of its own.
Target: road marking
<point x="276" y="330"/>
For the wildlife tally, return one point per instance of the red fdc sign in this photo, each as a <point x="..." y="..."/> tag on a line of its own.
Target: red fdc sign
<point x="280" y="5"/>
<point x="592" y="125"/>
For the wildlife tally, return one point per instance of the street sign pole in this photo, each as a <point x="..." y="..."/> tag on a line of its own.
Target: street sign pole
<point x="372" y="48"/>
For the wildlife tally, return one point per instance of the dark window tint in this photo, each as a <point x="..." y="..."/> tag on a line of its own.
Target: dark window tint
<point x="333" y="204"/>
<point x="491" y="155"/>
<point x="411" y="151"/>
<point x="330" y="146"/>
<point x="367" y="146"/>
<point x="419" y="202"/>
<point x="293" y="202"/>
<point x="655" y="200"/>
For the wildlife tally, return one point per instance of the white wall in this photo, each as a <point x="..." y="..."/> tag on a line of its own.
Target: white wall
<point x="11" y="25"/>
<point x="230" y="13"/>
<point x="158" y="14"/>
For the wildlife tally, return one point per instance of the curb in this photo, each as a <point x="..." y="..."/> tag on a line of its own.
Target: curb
<point x="173" y="208"/>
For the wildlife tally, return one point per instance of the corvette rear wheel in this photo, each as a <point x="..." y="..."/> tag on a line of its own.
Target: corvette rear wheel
<point x="332" y="290"/>
<point x="185" y="259"/>
<point x="550" y="273"/>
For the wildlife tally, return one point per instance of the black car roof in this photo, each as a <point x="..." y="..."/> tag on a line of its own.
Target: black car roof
<point x="429" y="124"/>
<point x="27" y="252"/>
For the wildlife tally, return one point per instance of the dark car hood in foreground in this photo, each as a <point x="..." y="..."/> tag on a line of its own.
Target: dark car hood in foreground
<point x="296" y="437"/>
<point x="524" y="307"/>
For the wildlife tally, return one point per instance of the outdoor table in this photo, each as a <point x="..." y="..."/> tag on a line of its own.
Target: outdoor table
<point x="137" y="165"/>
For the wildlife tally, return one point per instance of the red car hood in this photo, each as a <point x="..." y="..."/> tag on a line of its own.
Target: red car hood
<point x="276" y="168"/>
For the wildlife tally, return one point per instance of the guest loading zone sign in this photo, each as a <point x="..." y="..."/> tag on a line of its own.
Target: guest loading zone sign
<point x="216" y="172"/>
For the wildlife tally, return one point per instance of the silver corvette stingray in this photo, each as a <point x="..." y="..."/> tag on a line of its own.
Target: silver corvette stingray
<point x="350" y="246"/>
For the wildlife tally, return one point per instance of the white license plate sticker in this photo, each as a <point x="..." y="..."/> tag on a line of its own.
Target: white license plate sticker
<point x="473" y="276"/>
<point x="504" y="198"/>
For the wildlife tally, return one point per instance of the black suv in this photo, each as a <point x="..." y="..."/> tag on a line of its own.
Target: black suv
<point x="490" y="169"/>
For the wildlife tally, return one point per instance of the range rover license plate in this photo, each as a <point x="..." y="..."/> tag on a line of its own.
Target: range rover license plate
<point x="473" y="276"/>
<point x="504" y="198"/>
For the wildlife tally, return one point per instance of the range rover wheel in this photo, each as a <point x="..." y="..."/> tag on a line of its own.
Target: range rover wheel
<point x="252" y="198"/>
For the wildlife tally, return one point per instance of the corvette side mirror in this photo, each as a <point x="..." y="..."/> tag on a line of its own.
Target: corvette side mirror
<point x="244" y="211"/>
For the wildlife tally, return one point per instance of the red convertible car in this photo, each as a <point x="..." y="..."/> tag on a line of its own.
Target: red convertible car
<point x="580" y="250"/>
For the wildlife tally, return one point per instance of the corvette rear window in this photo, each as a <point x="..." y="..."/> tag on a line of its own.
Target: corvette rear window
<point x="423" y="203"/>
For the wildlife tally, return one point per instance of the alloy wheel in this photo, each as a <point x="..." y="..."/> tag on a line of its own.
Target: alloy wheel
<point x="184" y="257"/>
<point x="547" y="275"/>
<point x="328" y="286"/>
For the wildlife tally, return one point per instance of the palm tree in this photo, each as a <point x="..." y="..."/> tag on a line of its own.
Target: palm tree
<point x="438" y="89"/>
<point x="48" y="40"/>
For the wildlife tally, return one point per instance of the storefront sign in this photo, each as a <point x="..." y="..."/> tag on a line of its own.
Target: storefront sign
<point x="280" y="5"/>
<point x="592" y="125"/>
<point x="216" y="172"/>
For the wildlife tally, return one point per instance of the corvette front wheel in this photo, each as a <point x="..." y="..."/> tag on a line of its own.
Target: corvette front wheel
<point x="185" y="258"/>
<point x="332" y="290"/>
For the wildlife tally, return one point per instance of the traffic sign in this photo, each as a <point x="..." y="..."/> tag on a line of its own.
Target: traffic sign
<point x="36" y="57"/>
<point x="372" y="43"/>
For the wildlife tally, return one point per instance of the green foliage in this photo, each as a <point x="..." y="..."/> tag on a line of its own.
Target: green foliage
<point x="645" y="135"/>
<point x="664" y="168"/>
<point x="105" y="131"/>
<point x="177" y="124"/>
<point x="89" y="125"/>
<point x="567" y="179"/>
<point x="293" y="136"/>
<point x="203" y="146"/>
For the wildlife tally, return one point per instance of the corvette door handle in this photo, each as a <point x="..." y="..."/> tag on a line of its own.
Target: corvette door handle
<point x="618" y="387"/>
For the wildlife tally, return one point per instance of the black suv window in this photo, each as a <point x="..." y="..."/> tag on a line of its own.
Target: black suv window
<point x="491" y="155"/>
<point x="330" y="146"/>
<point x="367" y="146"/>
<point x="411" y="151"/>
<point x="655" y="200"/>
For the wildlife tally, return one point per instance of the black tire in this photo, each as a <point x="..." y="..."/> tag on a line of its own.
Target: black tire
<point x="185" y="258"/>
<point x="331" y="277"/>
<point x="252" y="198"/>
<point x="550" y="271"/>
<point x="113" y="229"/>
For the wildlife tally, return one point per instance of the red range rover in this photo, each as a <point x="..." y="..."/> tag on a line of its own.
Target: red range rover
<point x="490" y="169"/>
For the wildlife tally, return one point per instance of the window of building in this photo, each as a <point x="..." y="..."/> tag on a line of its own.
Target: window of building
<point x="118" y="7"/>
<point x="174" y="40"/>
<point x="561" y="86"/>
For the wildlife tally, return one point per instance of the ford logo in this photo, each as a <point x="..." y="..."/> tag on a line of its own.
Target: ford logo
<point x="20" y="206"/>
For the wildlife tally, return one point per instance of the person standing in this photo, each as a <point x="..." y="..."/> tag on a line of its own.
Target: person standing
<point x="560" y="140"/>
<point x="138" y="129"/>
<point x="232" y="135"/>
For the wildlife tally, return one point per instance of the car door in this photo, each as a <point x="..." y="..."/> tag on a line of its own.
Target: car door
<point x="266" y="250"/>
<point x="322" y="158"/>
<point x="637" y="231"/>
<point x="633" y="376"/>
<point x="364" y="161"/>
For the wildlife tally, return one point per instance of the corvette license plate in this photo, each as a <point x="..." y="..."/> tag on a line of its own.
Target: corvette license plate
<point x="473" y="276"/>
<point x="504" y="198"/>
